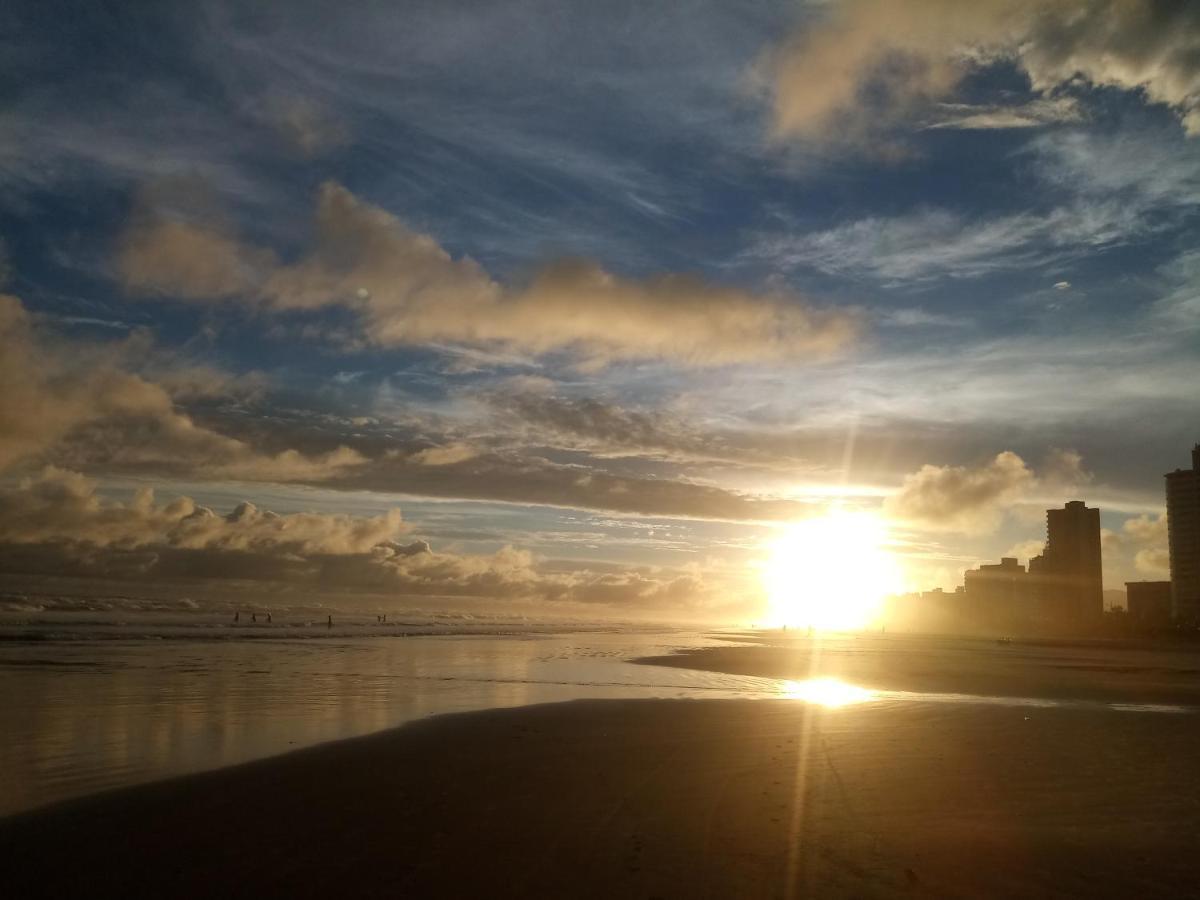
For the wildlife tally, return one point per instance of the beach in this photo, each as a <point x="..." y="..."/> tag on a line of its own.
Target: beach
<point x="661" y="798"/>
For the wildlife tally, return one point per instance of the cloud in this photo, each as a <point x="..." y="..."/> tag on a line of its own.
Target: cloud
<point x="79" y="403"/>
<point x="1179" y="307"/>
<point x="165" y="256"/>
<point x="915" y="317"/>
<point x="982" y="117"/>
<point x="917" y="246"/>
<point x="445" y="455"/>
<point x="1064" y="468"/>
<point x="1155" y="561"/>
<point x="959" y="498"/>
<point x="62" y="506"/>
<point x="605" y="429"/>
<point x="527" y="479"/>
<point x="408" y="290"/>
<point x="1147" y="536"/>
<point x="974" y="500"/>
<point x="57" y="523"/>
<point x="867" y="66"/>
<point x="1099" y="192"/>
<point x="589" y="423"/>
<point x="1026" y="549"/>
<point x="172" y="246"/>
<point x="45" y="393"/>
<point x="311" y="129"/>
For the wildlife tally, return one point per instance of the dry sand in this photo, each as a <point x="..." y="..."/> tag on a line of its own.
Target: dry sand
<point x="646" y="799"/>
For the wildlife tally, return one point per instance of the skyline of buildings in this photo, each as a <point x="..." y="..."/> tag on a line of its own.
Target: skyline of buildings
<point x="1062" y="589"/>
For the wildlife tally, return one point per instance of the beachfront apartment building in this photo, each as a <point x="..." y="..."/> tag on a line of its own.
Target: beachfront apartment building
<point x="1000" y="597"/>
<point x="1183" y="539"/>
<point x="1067" y="575"/>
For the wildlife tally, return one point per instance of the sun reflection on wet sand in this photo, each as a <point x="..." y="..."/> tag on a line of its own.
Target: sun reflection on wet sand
<point x="829" y="692"/>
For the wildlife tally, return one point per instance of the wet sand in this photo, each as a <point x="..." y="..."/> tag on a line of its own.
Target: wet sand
<point x="1091" y="671"/>
<point x="658" y="799"/>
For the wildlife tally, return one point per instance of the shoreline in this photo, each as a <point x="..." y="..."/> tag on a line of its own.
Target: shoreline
<point x="666" y="798"/>
<point x="1136" y="674"/>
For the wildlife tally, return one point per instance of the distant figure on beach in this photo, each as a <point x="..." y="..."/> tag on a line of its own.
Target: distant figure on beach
<point x="385" y="618"/>
<point x="253" y="617"/>
<point x="268" y="618"/>
<point x="237" y="615"/>
<point x="329" y="623"/>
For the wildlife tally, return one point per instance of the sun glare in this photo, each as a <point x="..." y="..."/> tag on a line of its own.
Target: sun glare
<point x="830" y="573"/>
<point x="826" y="692"/>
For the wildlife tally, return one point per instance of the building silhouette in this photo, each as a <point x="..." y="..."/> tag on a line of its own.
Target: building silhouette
<point x="1148" y="603"/>
<point x="1183" y="539"/>
<point x="1000" y="595"/>
<point x="1068" y="579"/>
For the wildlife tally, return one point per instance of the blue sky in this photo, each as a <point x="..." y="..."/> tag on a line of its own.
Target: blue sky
<point x="617" y="286"/>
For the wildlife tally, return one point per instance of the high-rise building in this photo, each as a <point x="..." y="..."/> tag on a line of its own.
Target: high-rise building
<point x="1183" y="539"/>
<point x="1068" y="574"/>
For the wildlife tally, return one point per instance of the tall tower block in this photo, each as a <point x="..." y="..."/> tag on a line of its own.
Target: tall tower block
<point x="1074" y="589"/>
<point x="1183" y="539"/>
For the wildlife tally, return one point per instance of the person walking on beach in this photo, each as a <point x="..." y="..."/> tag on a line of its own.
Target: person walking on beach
<point x="253" y="617"/>
<point x="237" y="615"/>
<point x="268" y="618"/>
<point x="329" y="622"/>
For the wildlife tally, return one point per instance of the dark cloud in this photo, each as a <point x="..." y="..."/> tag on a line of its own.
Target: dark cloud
<point x="592" y="424"/>
<point x="57" y="524"/>
<point x="62" y="506"/>
<point x="527" y="479"/>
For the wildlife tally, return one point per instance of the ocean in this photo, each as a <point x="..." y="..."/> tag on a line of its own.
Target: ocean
<point x="102" y="692"/>
<point x="107" y="691"/>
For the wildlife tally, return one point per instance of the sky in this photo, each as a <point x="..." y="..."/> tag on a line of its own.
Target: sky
<point x="575" y="306"/>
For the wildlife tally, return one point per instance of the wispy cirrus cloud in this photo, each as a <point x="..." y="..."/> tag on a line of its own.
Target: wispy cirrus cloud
<point x="991" y="117"/>
<point x="1110" y="191"/>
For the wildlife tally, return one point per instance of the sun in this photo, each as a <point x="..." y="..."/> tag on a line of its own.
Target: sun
<point x="831" y="573"/>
